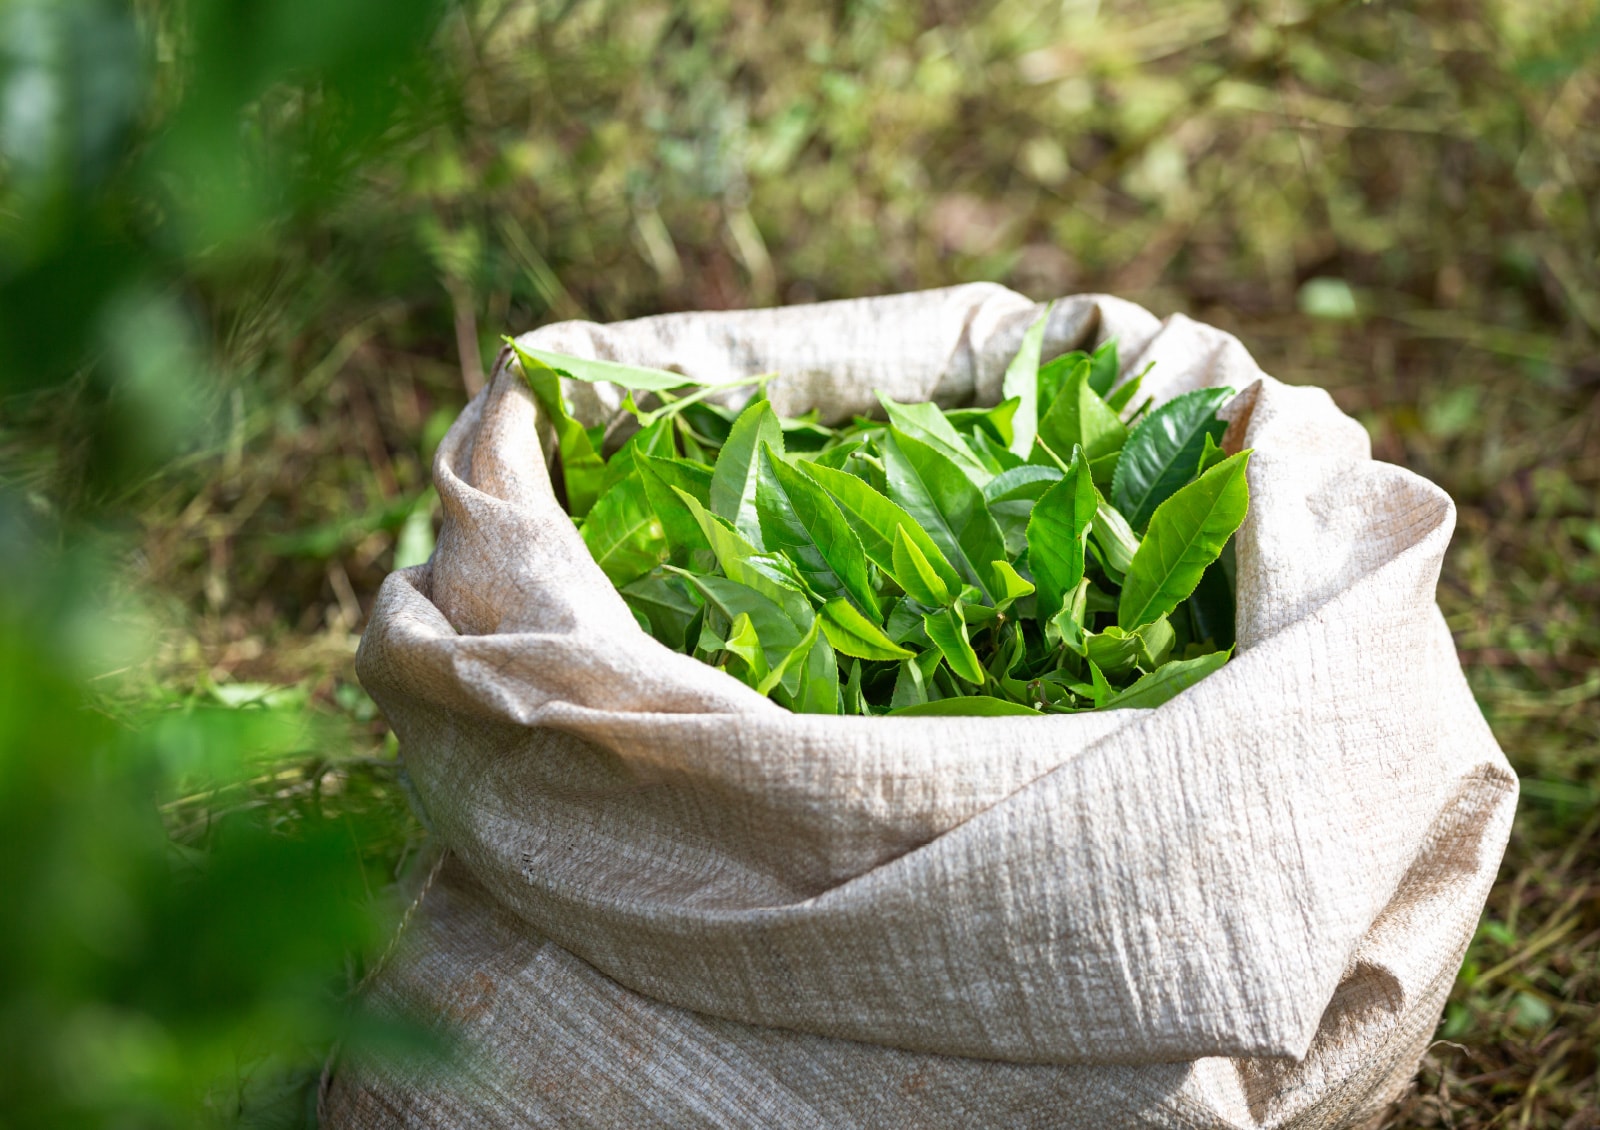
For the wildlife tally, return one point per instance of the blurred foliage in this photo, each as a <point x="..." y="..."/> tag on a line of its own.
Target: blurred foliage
<point x="254" y="254"/>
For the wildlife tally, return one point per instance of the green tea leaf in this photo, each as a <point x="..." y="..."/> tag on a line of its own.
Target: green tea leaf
<point x="1187" y="533"/>
<point x="733" y="480"/>
<point x="665" y="605"/>
<point x="792" y="662"/>
<point x="990" y="425"/>
<point x="743" y="563"/>
<point x="627" y="376"/>
<point x="745" y="644"/>
<point x="1010" y="585"/>
<point x="1104" y="366"/>
<point x="948" y="631"/>
<point x="1079" y="417"/>
<point x="1058" y="533"/>
<point x="1123" y="394"/>
<point x="875" y="520"/>
<point x="980" y="705"/>
<point x="926" y="424"/>
<point x="1100" y="690"/>
<point x="851" y="633"/>
<point x="819" y="681"/>
<point x="1117" y="652"/>
<point x="1011" y="496"/>
<point x="1210" y="456"/>
<point x="799" y="520"/>
<point x="1167" y="681"/>
<point x="945" y="503"/>
<point x="660" y="476"/>
<point x="1115" y="538"/>
<point x="623" y="533"/>
<point x="729" y="599"/>
<point x="582" y="469"/>
<point x="1161" y="453"/>
<point x="1022" y="382"/>
<point x="916" y="575"/>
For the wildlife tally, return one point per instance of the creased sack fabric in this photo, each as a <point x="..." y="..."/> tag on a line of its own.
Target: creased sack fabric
<point x="671" y="902"/>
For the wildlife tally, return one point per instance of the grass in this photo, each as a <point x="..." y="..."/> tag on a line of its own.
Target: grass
<point x="1393" y="203"/>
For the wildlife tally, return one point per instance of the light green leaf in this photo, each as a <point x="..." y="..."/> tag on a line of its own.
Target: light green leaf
<point x="1210" y="456"/>
<point x="733" y="480"/>
<point x="743" y="563"/>
<point x="792" y="661"/>
<point x="1058" y="533"/>
<point x="745" y="644"/>
<point x="1122" y="396"/>
<point x="948" y="631"/>
<point x="926" y="424"/>
<point x="1022" y="381"/>
<point x="623" y="534"/>
<point x="1115" y="537"/>
<point x="1167" y="681"/>
<point x="819" y="681"/>
<point x="1161" y="453"/>
<point x="729" y="599"/>
<point x="979" y="705"/>
<point x="913" y="573"/>
<point x="582" y="469"/>
<point x="945" y="503"/>
<point x="853" y="634"/>
<point x="1078" y="416"/>
<point x="1011" y="496"/>
<point x="875" y="520"/>
<point x="1010" y="585"/>
<point x="627" y="376"/>
<point x="799" y="520"/>
<point x="1187" y="533"/>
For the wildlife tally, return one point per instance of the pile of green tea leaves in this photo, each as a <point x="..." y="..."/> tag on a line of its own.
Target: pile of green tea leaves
<point x="1040" y="556"/>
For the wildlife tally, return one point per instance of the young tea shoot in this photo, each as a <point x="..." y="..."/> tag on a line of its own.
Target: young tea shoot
<point x="1062" y="551"/>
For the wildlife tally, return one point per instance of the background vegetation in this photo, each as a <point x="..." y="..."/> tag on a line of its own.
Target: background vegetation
<point x="254" y="255"/>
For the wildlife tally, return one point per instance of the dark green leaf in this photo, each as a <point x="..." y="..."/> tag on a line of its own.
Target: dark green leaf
<point x="946" y="504"/>
<point x="1161" y="454"/>
<point x="1211" y="608"/>
<point x="1187" y="533"/>
<point x="733" y="481"/>
<point x="979" y="705"/>
<point x="666" y="606"/>
<point x="800" y="520"/>
<point x="1104" y="367"/>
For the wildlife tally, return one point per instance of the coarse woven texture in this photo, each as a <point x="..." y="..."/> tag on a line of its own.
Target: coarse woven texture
<point x="674" y="903"/>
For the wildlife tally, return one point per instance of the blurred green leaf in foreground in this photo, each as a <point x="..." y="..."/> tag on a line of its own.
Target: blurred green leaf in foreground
<point x="177" y="951"/>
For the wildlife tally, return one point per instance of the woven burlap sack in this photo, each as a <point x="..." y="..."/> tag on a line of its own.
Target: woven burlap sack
<point x="670" y="902"/>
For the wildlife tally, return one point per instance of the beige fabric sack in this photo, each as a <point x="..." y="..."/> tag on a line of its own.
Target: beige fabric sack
<point x="670" y="902"/>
